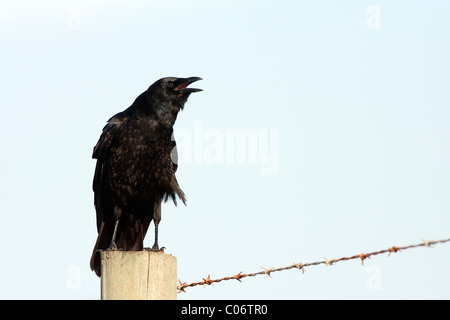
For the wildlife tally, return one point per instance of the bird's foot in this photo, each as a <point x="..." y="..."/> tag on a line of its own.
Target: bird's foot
<point x="155" y="248"/>
<point x="113" y="247"/>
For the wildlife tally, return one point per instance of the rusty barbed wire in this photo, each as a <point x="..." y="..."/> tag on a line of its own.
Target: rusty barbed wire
<point x="301" y="266"/>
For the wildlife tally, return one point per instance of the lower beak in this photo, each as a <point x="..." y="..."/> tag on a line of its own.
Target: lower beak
<point x="182" y="87"/>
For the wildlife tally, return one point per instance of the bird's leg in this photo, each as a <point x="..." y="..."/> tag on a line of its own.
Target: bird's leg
<point x="156" y="220"/>
<point x="117" y="215"/>
<point x="112" y="245"/>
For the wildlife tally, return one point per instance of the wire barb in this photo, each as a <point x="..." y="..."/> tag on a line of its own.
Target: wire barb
<point x="238" y="276"/>
<point x="364" y="256"/>
<point x="393" y="249"/>
<point x="301" y="266"/>
<point x="182" y="286"/>
<point x="427" y="243"/>
<point x="329" y="262"/>
<point x="208" y="281"/>
<point x="267" y="271"/>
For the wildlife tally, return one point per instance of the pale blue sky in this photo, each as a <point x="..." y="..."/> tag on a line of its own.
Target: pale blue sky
<point x="349" y="106"/>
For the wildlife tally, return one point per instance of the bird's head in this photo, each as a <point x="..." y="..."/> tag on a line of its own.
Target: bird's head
<point x="168" y="96"/>
<point x="174" y="89"/>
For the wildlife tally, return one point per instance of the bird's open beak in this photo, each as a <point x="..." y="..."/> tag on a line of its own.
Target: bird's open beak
<point x="181" y="85"/>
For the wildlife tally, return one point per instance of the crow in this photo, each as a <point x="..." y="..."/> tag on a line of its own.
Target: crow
<point x="136" y="165"/>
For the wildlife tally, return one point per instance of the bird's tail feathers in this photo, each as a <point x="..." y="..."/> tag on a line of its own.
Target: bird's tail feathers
<point x="176" y="190"/>
<point x="103" y="241"/>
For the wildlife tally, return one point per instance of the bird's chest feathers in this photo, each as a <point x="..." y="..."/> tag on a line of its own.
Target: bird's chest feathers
<point x="147" y="142"/>
<point x="143" y="157"/>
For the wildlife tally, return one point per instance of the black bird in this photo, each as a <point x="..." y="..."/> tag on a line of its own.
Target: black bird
<point x="136" y="165"/>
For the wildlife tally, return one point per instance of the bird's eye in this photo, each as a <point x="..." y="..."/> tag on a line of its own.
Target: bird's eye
<point x="170" y="84"/>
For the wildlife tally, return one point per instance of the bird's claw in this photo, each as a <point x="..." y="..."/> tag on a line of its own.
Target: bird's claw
<point x="114" y="247"/>
<point x="155" y="248"/>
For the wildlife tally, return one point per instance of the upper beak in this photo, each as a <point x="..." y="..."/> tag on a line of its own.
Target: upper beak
<point x="184" y="82"/>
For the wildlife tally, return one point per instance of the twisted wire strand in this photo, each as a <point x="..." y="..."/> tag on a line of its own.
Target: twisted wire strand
<point x="301" y="266"/>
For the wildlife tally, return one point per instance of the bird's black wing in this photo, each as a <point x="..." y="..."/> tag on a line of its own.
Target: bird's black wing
<point x="101" y="152"/>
